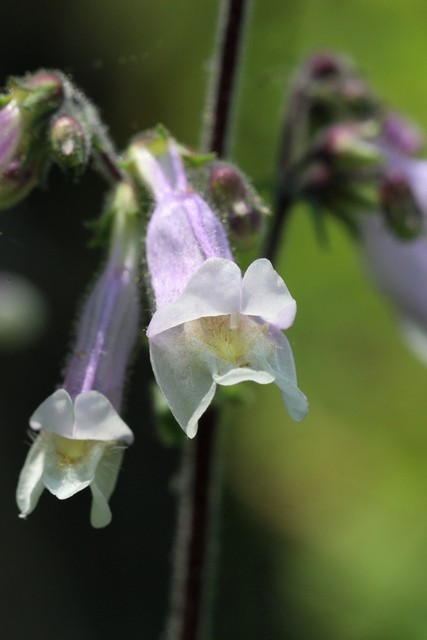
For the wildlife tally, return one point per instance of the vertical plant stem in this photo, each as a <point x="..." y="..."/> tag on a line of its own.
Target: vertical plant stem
<point x="232" y="20"/>
<point x="195" y="613"/>
<point x="189" y="616"/>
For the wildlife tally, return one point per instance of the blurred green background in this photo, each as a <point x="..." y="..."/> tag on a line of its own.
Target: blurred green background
<point x="325" y="522"/>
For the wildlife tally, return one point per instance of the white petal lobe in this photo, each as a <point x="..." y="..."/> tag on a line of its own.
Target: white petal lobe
<point x="55" y="414"/>
<point x="265" y="294"/>
<point x="212" y="291"/>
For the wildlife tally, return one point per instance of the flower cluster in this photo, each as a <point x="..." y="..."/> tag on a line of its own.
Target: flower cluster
<point x="345" y="152"/>
<point x="211" y="325"/>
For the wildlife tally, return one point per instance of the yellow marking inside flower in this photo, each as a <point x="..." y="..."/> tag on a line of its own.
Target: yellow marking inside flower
<point x="72" y="451"/>
<point x="233" y="338"/>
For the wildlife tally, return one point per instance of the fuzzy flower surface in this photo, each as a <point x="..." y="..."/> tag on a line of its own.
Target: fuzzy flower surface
<point x="81" y="434"/>
<point x="10" y="133"/>
<point x="211" y="326"/>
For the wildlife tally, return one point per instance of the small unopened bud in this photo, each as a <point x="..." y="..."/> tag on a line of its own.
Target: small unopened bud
<point x="236" y="199"/>
<point x="70" y="144"/>
<point x="349" y="147"/>
<point x="335" y="90"/>
<point x="24" y="118"/>
<point x="402" y="134"/>
<point x="401" y="209"/>
<point x="41" y="93"/>
<point x="322" y="64"/>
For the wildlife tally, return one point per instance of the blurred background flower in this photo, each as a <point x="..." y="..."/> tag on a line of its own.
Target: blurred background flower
<point x="23" y="312"/>
<point x="325" y="522"/>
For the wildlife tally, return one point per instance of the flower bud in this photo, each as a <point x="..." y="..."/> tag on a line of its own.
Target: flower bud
<point x="235" y="199"/>
<point x="336" y="90"/>
<point x="40" y="93"/>
<point x="350" y="146"/>
<point x="70" y="144"/>
<point x="24" y="120"/>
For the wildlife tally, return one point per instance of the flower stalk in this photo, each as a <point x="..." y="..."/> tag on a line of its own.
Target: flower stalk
<point x="190" y="608"/>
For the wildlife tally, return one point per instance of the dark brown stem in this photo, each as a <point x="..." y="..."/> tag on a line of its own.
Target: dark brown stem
<point x="191" y="585"/>
<point x="199" y="551"/>
<point x="232" y="25"/>
<point x="110" y="167"/>
<point x="106" y="158"/>
<point x="192" y="578"/>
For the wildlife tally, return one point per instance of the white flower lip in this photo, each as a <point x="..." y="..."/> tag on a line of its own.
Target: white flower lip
<point x="78" y="447"/>
<point x="45" y="467"/>
<point x="240" y="339"/>
<point x="217" y="289"/>
<point x="90" y="417"/>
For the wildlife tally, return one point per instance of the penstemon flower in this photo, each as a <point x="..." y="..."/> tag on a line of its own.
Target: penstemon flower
<point x="399" y="267"/>
<point x="82" y="435"/>
<point x="211" y="326"/>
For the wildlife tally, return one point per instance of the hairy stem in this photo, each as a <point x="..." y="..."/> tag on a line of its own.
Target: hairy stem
<point x="232" y="20"/>
<point x="189" y="617"/>
<point x="192" y="578"/>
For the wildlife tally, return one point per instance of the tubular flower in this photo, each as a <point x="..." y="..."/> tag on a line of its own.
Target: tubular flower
<point x="81" y="434"/>
<point x="399" y="267"/>
<point x="211" y="326"/>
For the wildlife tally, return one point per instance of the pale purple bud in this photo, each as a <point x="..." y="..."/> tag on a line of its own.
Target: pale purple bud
<point x="10" y="133"/>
